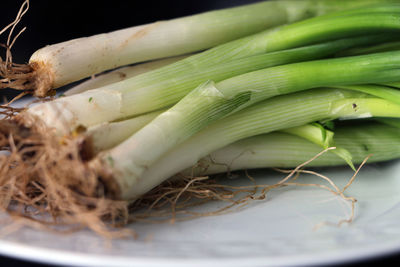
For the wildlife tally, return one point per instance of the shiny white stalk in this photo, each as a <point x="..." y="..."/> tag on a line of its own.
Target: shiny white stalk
<point x="270" y="115"/>
<point x="281" y="150"/>
<point x="203" y="105"/>
<point x="120" y="75"/>
<point x="73" y="60"/>
<point x="163" y="87"/>
<point x="107" y="135"/>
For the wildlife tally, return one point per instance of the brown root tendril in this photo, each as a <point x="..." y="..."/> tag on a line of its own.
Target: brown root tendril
<point x="43" y="178"/>
<point x="32" y="78"/>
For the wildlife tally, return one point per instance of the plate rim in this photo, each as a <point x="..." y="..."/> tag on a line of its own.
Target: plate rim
<point x="44" y="255"/>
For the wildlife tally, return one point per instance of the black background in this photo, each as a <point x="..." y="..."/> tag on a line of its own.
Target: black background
<point x="55" y="21"/>
<point x="50" y="22"/>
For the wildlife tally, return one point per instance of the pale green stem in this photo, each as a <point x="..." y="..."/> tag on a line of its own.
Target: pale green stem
<point x="271" y="115"/>
<point x="120" y="75"/>
<point x="110" y="134"/>
<point x="280" y="150"/>
<point x="203" y="105"/>
<point x="317" y="134"/>
<point x="80" y="58"/>
<point x="106" y="104"/>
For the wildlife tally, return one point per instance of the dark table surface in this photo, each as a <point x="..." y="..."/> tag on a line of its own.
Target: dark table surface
<point x="391" y="260"/>
<point x="51" y="22"/>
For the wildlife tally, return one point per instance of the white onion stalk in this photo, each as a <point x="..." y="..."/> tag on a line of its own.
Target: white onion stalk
<point x="282" y="150"/>
<point x="270" y="115"/>
<point x="210" y="102"/>
<point x="120" y="75"/>
<point x="107" y="135"/>
<point x="60" y="64"/>
<point x="152" y="141"/>
<point x="163" y="87"/>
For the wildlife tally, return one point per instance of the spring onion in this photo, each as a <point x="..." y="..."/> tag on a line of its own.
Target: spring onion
<point x="271" y="115"/>
<point x="111" y="140"/>
<point x="120" y="75"/>
<point x="108" y="135"/>
<point x="59" y="64"/>
<point x="164" y="87"/>
<point x="210" y="102"/>
<point x="282" y="150"/>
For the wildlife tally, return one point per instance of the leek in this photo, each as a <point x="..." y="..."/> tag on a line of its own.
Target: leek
<point x="158" y="123"/>
<point x="120" y="75"/>
<point x="166" y="86"/>
<point x="211" y="102"/>
<point x="60" y="64"/>
<point x="160" y="89"/>
<point x="282" y="150"/>
<point x="107" y="135"/>
<point x="270" y="115"/>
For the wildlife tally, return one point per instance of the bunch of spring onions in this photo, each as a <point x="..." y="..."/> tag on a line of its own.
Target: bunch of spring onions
<point x="265" y="92"/>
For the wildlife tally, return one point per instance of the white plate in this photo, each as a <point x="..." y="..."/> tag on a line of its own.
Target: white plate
<point x="275" y="231"/>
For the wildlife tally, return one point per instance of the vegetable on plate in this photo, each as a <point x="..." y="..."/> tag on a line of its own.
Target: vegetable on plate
<point x="248" y="87"/>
